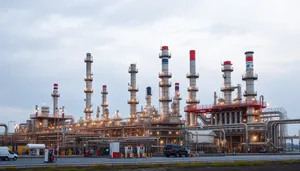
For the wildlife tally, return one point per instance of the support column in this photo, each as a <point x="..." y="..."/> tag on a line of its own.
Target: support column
<point x="230" y="118"/>
<point x="216" y="120"/>
<point x="225" y="120"/>
<point x="241" y="118"/>
<point x="235" y="117"/>
<point x="221" y="118"/>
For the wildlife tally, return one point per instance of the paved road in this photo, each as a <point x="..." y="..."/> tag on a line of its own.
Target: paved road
<point x="30" y="162"/>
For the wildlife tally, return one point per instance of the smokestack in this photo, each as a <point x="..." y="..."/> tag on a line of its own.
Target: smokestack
<point x="164" y="84"/>
<point x="227" y="88"/>
<point x="88" y="89"/>
<point x="104" y="104"/>
<point x="191" y="117"/>
<point x="250" y="93"/>
<point x="148" y="97"/>
<point x="55" y="96"/>
<point x="133" y="90"/>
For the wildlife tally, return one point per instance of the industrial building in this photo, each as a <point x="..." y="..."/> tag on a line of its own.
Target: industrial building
<point x="232" y="122"/>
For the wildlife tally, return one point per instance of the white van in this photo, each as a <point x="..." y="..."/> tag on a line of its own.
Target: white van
<point x="6" y="154"/>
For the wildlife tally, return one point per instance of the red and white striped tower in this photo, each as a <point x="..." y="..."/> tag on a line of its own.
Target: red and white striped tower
<point x="227" y="89"/>
<point x="88" y="90"/>
<point x="55" y="96"/>
<point x="191" y="117"/>
<point x="164" y="84"/>
<point x="250" y="94"/>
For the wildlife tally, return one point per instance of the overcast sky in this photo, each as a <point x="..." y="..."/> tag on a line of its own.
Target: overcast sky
<point x="42" y="42"/>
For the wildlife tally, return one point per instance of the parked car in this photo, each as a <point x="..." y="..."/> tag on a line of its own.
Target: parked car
<point x="6" y="154"/>
<point x="175" y="150"/>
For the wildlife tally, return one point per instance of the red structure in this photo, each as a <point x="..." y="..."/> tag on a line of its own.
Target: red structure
<point x="216" y="108"/>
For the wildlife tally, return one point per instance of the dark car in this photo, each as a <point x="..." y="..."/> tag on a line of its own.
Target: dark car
<point x="175" y="150"/>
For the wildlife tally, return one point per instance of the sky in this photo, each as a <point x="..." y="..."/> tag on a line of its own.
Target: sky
<point x="45" y="42"/>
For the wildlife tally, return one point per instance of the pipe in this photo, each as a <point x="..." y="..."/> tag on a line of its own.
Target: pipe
<point x="22" y="124"/>
<point x="6" y="129"/>
<point x="233" y="126"/>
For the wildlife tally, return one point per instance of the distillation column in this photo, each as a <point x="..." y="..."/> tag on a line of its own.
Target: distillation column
<point x="250" y="93"/>
<point x="98" y="113"/>
<point x="164" y="84"/>
<point x="55" y="96"/>
<point x="104" y="104"/>
<point x="191" y="117"/>
<point x="148" y="97"/>
<point x="133" y="90"/>
<point x="177" y="98"/>
<point x="227" y="89"/>
<point x="88" y="89"/>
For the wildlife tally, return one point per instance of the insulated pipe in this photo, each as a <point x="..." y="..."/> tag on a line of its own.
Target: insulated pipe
<point x="89" y="87"/>
<point x="6" y="129"/>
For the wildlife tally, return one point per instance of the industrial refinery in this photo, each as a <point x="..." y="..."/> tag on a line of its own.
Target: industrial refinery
<point x="237" y="119"/>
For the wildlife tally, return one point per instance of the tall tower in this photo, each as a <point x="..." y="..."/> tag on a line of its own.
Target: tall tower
<point x="133" y="90"/>
<point x="165" y="75"/>
<point x="177" y="98"/>
<point x="88" y="89"/>
<point x="55" y="96"/>
<point x="193" y="89"/>
<point x="250" y="93"/>
<point x="98" y="113"/>
<point x="227" y="89"/>
<point x="104" y="104"/>
<point x="148" y="97"/>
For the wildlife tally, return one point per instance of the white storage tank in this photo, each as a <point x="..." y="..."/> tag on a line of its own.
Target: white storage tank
<point x="36" y="148"/>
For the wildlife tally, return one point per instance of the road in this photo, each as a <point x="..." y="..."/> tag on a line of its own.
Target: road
<point x="31" y="162"/>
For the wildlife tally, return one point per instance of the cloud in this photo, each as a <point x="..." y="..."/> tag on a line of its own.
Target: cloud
<point x="43" y="42"/>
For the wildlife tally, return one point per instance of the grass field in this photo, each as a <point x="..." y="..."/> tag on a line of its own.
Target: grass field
<point x="285" y="165"/>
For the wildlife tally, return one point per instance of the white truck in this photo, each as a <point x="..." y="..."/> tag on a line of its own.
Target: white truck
<point x="6" y="154"/>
